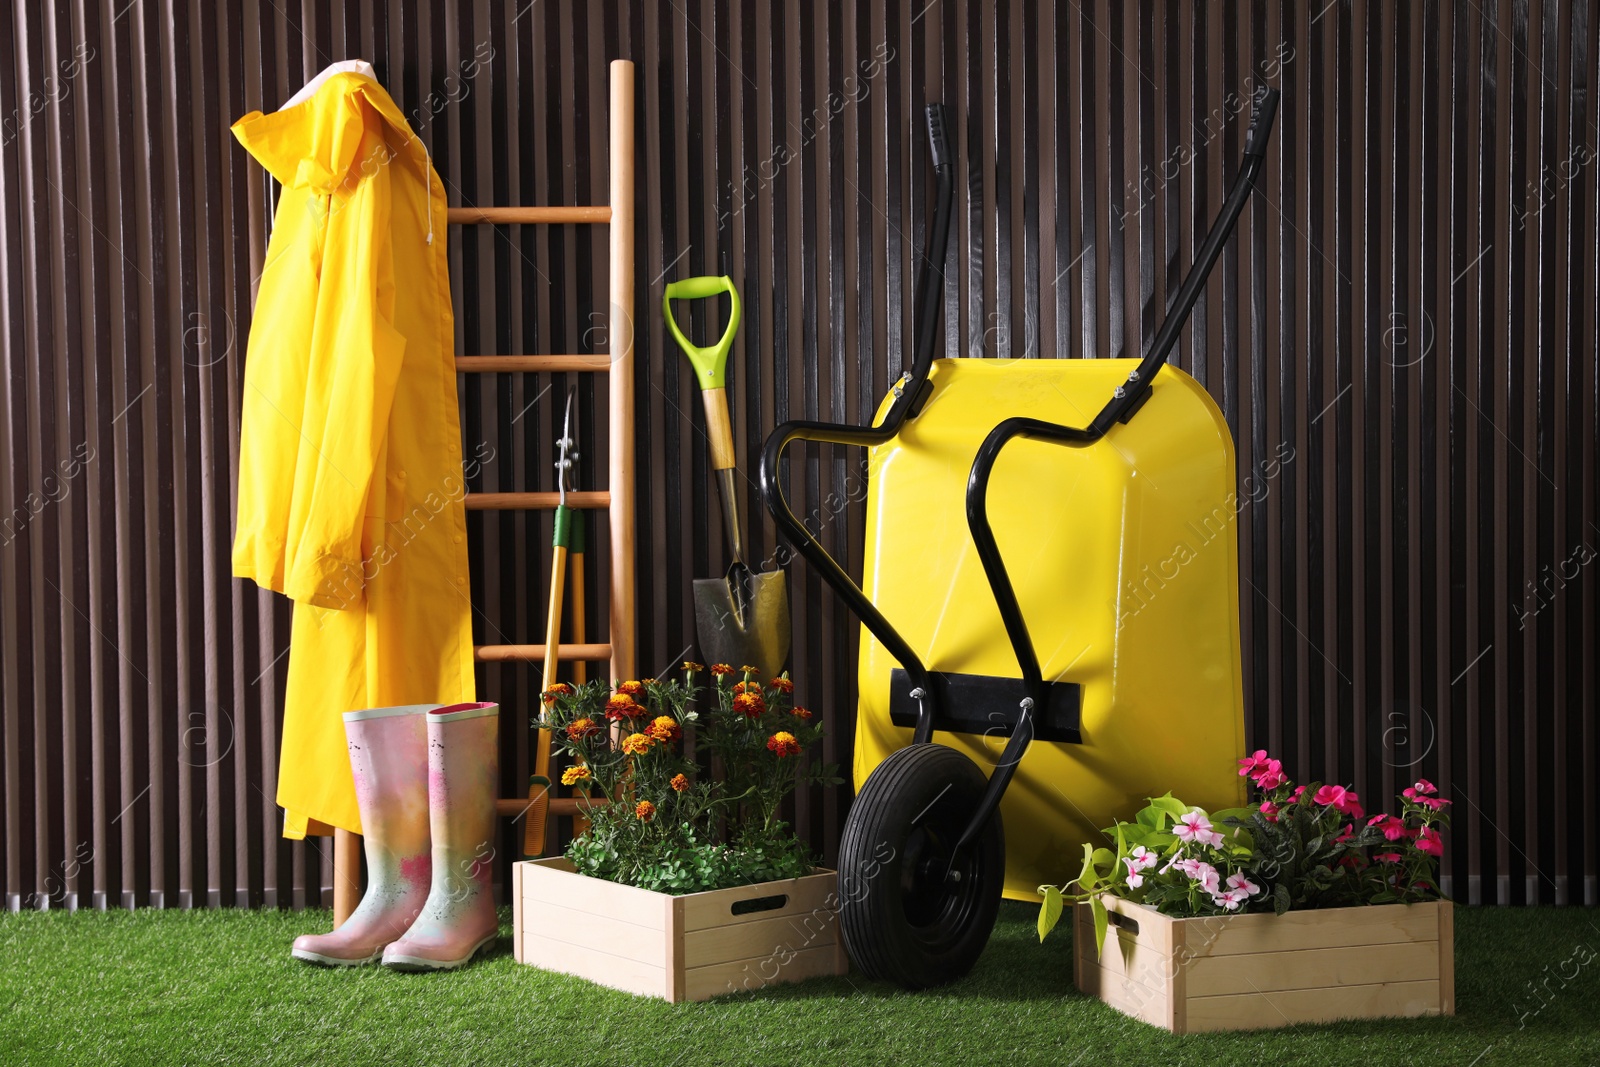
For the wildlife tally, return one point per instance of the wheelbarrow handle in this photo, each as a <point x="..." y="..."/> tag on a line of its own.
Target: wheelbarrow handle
<point x="908" y="395"/>
<point x="1130" y="397"/>
<point x="1126" y="400"/>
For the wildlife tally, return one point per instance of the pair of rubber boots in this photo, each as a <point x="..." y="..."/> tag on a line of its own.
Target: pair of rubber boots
<point x="426" y="779"/>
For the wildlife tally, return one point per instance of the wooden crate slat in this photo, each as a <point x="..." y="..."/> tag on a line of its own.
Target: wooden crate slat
<point x="736" y="976"/>
<point x="611" y="934"/>
<point x="553" y="881"/>
<point x="1373" y="925"/>
<point x="1255" y="1011"/>
<point x="1314" y="968"/>
<point x="617" y="972"/>
<point x="796" y="933"/>
<point x="813" y="893"/>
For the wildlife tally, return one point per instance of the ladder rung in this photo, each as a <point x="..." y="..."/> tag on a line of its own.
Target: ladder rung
<point x="530" y="364"/>
<point x="601" y="213"/>
<point x="558" y="805"/>
<point x="535" y="653"/>
<point x="535" y="501"/>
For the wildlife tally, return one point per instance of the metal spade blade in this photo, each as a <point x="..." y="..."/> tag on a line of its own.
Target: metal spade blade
<point x="743" y="619"/>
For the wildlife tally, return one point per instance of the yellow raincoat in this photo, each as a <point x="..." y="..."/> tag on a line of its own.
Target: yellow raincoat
<point x="350" y="473"/>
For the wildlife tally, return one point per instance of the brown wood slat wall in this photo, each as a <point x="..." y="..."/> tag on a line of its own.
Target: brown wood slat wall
<point x="1409" y="306"/>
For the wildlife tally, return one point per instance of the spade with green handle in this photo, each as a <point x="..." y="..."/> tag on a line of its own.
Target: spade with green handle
<point x="743" y="617"/>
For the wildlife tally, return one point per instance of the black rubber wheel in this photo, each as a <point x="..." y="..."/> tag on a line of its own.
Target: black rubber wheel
<point x="903" y="919"/>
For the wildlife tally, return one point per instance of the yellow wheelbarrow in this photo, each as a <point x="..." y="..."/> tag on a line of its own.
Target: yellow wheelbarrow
<point x="1064" y="618"/>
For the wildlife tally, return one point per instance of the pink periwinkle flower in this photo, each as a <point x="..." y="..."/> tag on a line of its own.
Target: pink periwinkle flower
<point x="1392" y="828"/>
<point x="1139" y="861"/>
<point x="1343" y="800"/>
<point x="1271" y="778"/>
<point x="1195" y="827"/>
<point x="1229" y="899"/>
<point x="1207" y="876"/>
<point x="1430" y="842"/>
<point x="1241" y="882"/>
<point x="1270" y="810"/>
<point x="1386" y="857"/>
<point x="1250" y="763"/>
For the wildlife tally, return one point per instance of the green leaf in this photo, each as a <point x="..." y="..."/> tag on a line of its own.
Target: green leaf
<point x="1050" y="910"/>
<point x="1101" y="921"/>
<point x="1103" y="859"/>
<point x="1171" y="805"/>
<point x="1280" y="898"/>
<point x="1088" y="878"/>
<point x="1232" y="813"/>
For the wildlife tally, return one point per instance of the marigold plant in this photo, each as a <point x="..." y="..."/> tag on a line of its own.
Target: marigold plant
<point x="669" y="825"/>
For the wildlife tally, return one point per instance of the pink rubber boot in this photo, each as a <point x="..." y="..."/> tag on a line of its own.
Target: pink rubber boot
<point x="389" y="758"/>
<point x="463" y="782"/>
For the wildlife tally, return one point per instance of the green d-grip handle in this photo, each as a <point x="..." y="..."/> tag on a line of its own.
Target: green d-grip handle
<point x="710" y="364"/>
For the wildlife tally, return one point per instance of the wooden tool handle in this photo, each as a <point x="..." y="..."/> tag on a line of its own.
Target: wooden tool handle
<point x="719" y="427"/>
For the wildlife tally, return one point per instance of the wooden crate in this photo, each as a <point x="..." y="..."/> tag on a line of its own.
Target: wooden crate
<point x="1250" y="972"/>
<point x="691" y="947"/>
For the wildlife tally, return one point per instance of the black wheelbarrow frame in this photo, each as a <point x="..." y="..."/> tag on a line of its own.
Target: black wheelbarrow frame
<point x="926" y="691"/>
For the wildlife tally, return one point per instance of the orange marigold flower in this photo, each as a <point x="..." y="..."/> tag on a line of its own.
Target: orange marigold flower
<point x="783" y="684"/>
<point x="721" y="668"/>
<point x="664" y="728"/>
<point x="622" y="706"/>
<point x="747" y="669"/>
<point x="636" y="744"/>
<point x="739" y="687"/>
<point x="801" y="713"/>
<point x="559" y="689"/>
<point x="644" y="810"/>
<point x="784" y="743"/>
<point x="750" y="704"/>
<point x="647" y="681"/>
<point x="680" y="783"/>
<point x="631" y="689"/>
<point x="575" y="774"/>
<point x="578" y="729"/>
<point x="691" y="666"/>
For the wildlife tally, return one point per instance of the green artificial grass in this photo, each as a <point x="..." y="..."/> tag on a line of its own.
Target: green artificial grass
<point x="204" y="987"/>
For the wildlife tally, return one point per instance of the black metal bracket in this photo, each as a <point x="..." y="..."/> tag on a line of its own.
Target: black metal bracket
<point x="986" y="706"/>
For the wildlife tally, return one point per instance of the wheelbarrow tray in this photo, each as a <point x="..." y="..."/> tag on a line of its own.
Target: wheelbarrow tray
<point x="1125" y="559"/>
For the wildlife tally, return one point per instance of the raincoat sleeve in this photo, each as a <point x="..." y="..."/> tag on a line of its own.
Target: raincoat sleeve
<point x="354" y="372"/>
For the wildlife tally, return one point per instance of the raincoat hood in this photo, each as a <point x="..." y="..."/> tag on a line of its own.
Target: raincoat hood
<point x="332" y="139"/>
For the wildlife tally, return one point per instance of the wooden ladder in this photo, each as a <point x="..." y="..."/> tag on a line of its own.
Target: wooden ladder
<point x="617" y="501"/>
